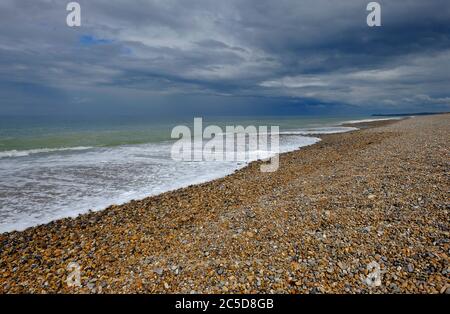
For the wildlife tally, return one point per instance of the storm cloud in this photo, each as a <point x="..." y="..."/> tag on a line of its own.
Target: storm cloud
<point x="205" y="53"/>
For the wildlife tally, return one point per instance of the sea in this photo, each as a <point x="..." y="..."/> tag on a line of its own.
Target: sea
<point x="52" y="168"/>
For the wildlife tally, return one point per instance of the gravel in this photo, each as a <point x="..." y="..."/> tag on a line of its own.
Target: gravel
<point x="322" y="223"/>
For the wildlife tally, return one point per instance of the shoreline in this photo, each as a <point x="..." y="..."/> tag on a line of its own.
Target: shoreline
<point x="83" y="206"/>
<point x="201" y="231"/>
<point x="241" y="165"/>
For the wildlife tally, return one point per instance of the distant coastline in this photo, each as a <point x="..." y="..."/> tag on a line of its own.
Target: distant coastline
<point x="407" y="114"/>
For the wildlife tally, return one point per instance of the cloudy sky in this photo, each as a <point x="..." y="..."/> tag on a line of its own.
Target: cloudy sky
<point x="233" y="56"/>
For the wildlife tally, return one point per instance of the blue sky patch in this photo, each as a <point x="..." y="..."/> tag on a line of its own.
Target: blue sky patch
<point x="90" y="40"/>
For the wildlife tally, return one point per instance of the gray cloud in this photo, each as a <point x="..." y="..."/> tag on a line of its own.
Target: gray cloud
<point x="308" y="52"/>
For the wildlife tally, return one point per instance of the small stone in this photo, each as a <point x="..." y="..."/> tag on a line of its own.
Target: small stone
<point x="410" y="268"/>
<point x="341" y="265"/>
<point x="147" y="260"/>
<point x="90" y="285"/>
<point x="311" y="262"/>
<point x="159" y="271"/>
<point x="394" y="288"/>
<point x="250" y="214"/>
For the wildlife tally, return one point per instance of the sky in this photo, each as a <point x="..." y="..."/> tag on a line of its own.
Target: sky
<point x="192" y="57"/>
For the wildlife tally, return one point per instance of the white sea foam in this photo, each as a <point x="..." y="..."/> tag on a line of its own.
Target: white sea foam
<point x="370" y="120"/>
<point x="23" y="153"/>
<point x="308" y="131"/>
<point x="323" y="130"/>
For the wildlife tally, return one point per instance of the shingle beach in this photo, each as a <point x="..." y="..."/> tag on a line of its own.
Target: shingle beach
<point x="376" y="196"/>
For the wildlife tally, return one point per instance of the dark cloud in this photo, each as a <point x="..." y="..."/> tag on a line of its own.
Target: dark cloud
<point x="169" y="54"/>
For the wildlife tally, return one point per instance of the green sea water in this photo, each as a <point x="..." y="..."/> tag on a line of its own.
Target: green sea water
<point x="26" y="133"/>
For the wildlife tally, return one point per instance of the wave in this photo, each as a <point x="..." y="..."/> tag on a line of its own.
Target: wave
<point x="304" y="131"/>
<point x="323" y="130"/>
<point x="370" y="120"/>
<point x="27" y="152"/>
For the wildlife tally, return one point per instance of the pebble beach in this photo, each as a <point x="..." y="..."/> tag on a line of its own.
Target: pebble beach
<point x="372" y="199"/>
